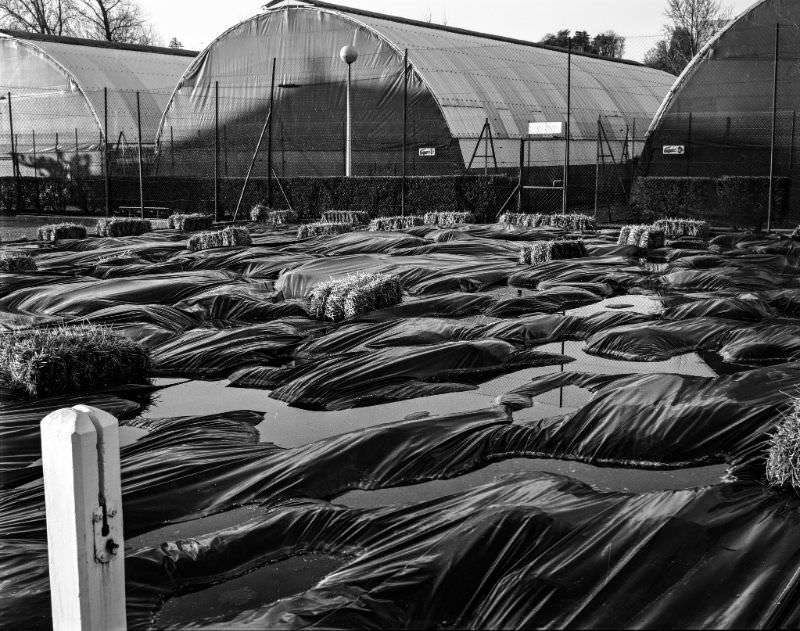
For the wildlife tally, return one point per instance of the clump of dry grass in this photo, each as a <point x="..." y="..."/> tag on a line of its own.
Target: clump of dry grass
<point x="345" y="216"/>
<point x="116" y="258"/>
<point x="322" y="228"/>
<point x="641" y="235"/>
<point x="545" y="251"/>
<point x="263" y="214"/>
<point x="572" y="222"/>
<point x="61" y="360"/>
<point x="17" y="263"/>
<point x="122" y="227"/>
<point x="227" y="237"/>
<point x="448" y="219"/>
<point x="353" y="295"/>
<point x="55" y="231"/>
<point x="396" y="222"/>
<point x="674" y="228"/>
<point x="783" y="457"/>
<point x="190" y="222"/>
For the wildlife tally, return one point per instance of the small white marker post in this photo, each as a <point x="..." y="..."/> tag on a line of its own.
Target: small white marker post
<point x="83" y="501"/>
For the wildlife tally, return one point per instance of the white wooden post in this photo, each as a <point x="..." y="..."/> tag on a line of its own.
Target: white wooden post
<point x="83" y="501"/>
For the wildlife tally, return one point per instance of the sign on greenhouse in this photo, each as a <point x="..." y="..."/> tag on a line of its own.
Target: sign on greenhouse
<point x="546" y="129"/>
<point x="674" y="150"/>
<point x="427" y="152"/>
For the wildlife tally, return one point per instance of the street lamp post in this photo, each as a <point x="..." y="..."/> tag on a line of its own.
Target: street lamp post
<point x="348" y="54"/>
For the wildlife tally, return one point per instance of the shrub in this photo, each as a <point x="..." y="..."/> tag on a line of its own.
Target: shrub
<point x="675" y="228"/>
<point x="321" y="227"/>
<point x="544" y="251"/>
<point x="572" y="221"/>
<point x="353" y="295"/>
<point x="783" y="457"/>
<point x="55" y="231"/>
<point x="448" y="219"/>
<point x="191" y="222"/>
<point x="345" y="216"/>
<point x="122" y="227"/>
<point x="264" y="214"/>
<point x="396" y="222"/>
<point x="641" y="235"/>
<point x="43" y="362"/>
<point x="227" y="237"/>
<point x="744" y="200"/>
<point x="16" y="263"/>
<point x="672" y="196"/>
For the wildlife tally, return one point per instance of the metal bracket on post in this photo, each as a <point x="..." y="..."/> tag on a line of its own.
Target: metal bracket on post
<point x="83" y="504"/>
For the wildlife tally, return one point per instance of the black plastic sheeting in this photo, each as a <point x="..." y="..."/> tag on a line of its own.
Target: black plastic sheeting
<point x="526" y="551"/>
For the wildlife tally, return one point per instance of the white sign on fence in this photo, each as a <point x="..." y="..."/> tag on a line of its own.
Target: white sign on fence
<point x="673" y="150"/>
<point x="546" y="129"/>
<point x="427" y="152"/>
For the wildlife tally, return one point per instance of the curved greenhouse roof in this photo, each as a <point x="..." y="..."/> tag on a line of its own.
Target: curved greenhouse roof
<point x="459" y="79"/>
<point x="720" y="109"/>
<point x="57" y="87"/>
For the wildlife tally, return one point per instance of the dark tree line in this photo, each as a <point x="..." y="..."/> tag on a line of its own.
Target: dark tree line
<point x="606" y="44"/>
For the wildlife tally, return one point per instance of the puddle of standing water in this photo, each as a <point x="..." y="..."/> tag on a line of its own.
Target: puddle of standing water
<point x="290" y="427"/>
<point x="601" y="478"/>
<point x="251" y="591"/>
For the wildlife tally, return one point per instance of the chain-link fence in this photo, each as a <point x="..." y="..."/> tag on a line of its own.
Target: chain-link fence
<point x="58" y="155"/>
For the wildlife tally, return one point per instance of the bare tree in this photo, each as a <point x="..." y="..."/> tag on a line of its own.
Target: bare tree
<point x="50" y="17"/>
<point x="693" y="23"/>
<point x="114" y="21"/>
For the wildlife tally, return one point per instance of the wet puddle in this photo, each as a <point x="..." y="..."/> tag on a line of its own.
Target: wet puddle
<point x="601" y="478"/>
<point x="251" y="591"/>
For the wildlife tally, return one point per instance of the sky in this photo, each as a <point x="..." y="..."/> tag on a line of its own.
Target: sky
<point x="197" y="22"/>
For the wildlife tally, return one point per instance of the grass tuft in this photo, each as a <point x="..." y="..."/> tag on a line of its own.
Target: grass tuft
<point x="675" y="228"/>
<point x="545" y="251"/>
<point x="641" y="235"/>
<point x="16" y="263"/>
<point x="122" y="227"/>
<point x="43" y="362"/>
<point x="227" y="237"/>
<point x="783" y="457"/>
<point x="353" y="295"/>
<point x="264" y="214"/>
<point x="345" y="216"/>
<point x="573" y="222"/>
<point x="448" y="219"/>
<point x="396" y="222"/>
<point x="322" y="228"/>
<point x="55" y="231"/>
<point x="190" y="222"/>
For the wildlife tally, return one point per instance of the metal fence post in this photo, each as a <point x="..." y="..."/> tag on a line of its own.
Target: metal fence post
<point x="139" y="144"/>
<point x="405" y="127"/>
<point x="774" y="124"/>
<point x="106" y="174"/>
<point x="83" y="504"/>
<point x="14" y="157"/>
<point x="216" y="151"/>
<point x="565" y="183"/>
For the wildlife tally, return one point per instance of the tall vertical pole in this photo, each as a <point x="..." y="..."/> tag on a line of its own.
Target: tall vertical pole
<point x="774" y="121"/>
<point x="348" y="148"/>
<point x="565" y="182"/>
<point x="216" y="151"/>
<point x="597" y="169"/>
<point x="106" y="174"/>
<point x="172" y="149"/>
<point x="269" y="137"/>
<point x="519" y="179"/>
<point x="139" y="143"/>
<point x="14" y="157"/>
<point x="405" y="128"/>
<point x="35" y="171"/>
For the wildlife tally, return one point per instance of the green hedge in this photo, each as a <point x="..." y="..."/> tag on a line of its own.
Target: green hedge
<point x="737" y="200"/>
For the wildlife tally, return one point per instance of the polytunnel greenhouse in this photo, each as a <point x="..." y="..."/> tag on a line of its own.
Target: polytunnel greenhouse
<point x="461" y="86"/>
<point x="65" y="91"/>
<point x="718" y="118"/>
